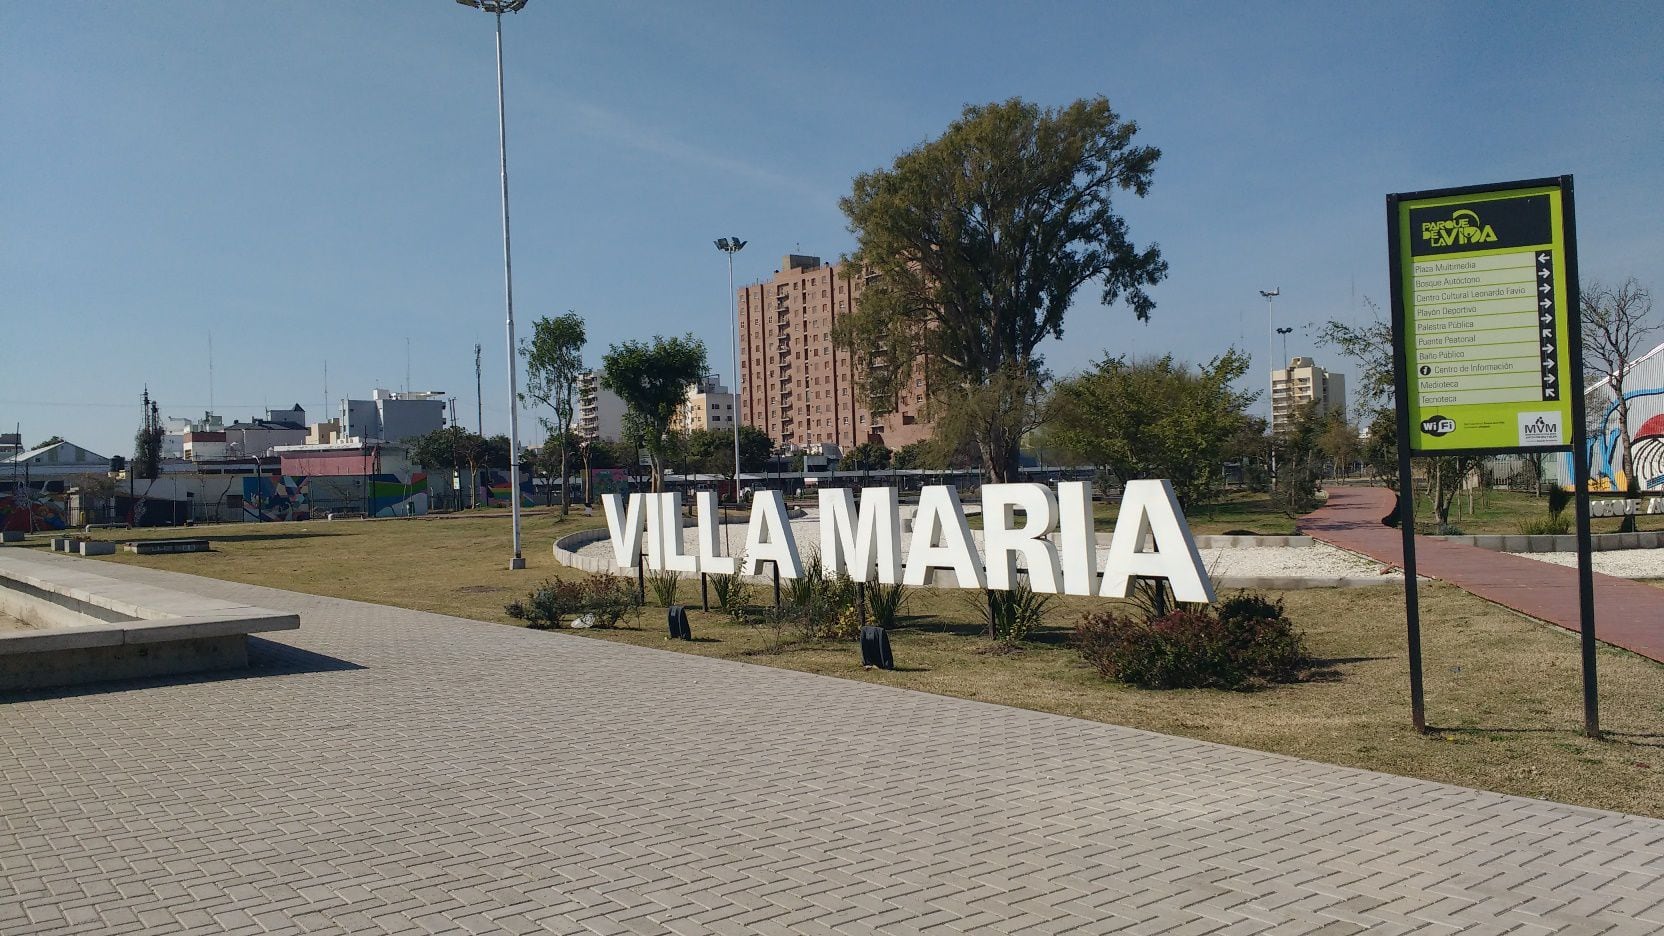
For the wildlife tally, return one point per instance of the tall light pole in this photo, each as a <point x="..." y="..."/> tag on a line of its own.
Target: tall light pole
<point x="1285" y="332"/>
<point x="731" y="246"/>
<point x="498" y="8"/>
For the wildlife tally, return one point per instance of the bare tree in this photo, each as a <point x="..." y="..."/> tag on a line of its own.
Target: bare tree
<point x="1617" y="323"/>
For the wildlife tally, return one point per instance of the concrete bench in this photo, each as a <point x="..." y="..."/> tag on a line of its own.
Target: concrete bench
<point x="11" y="536"/>
<point x="154" y="547"/>
<point x="95" y="548"/>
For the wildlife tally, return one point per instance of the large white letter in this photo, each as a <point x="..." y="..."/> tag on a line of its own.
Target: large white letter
<point x="769" y="537"/>
<point x="710" y="560"/>
<point x="1149" y="507"/>
<point x="1077" y="543"/>
<point x="624" y="526"/>
<point x="654" y="509"/>
<point x="872" y="540"/>
<point x="670" y="526"/>
<point x="1002" y="541"/>
<point x="940" y="518"/>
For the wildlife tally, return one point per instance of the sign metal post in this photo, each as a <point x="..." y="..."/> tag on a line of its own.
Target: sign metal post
<point x="1487" y="356"/>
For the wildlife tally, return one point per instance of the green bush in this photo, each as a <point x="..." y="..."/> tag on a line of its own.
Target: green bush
<point x="607" y="599"/>
<point x="1548" y="526"/>
<point x="732" y="593"/>
<point x="1010" y="616"/>
<point x="886" y="603"/>
<point x="664" y="586"/>
<point x="1245" y="643"/>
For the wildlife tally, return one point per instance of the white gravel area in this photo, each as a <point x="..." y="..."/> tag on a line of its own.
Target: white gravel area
<point x="1317" y="560"/>
<point x="1622" y="563"/>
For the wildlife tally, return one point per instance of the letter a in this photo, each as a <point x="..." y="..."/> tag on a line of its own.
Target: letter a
<point x="1149" y="507"/>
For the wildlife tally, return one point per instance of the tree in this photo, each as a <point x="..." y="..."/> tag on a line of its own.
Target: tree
<point x="1156" y="418"/>
<point x="147" y="442"/>
<point x="453" y="448"/>
<point x="973" y="245"/>
<point x="52" y="441"/>
<point x="653" y="379"/>
<point x="496" y="454"/>
<point x="867" y="456"/>
<point x="911" y="456"/>
<point x="554" y="360"/>
<point x="1617" y="324"/>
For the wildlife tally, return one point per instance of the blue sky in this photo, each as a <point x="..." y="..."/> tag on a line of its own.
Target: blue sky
<point x="317" y="182"/>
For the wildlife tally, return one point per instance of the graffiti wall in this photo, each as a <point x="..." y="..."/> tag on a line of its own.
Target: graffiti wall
<point x="1644" y="391"/>
<point x="278" y="498"/>
<point x="27" y="511"/>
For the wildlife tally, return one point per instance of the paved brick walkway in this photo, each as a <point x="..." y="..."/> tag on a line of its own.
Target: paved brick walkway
<point x="1627" y="614"/>
<point x="392" y="771"/>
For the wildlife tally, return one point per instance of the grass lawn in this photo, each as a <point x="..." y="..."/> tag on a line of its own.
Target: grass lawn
<point x="1502" y="691"/>
<point x="1508" y="511"/>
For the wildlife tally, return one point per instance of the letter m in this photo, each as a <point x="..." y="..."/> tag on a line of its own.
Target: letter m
<point x="858" y="543"/>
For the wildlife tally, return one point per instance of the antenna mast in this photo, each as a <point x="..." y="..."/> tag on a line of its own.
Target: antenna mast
<point x="479" y="397"/>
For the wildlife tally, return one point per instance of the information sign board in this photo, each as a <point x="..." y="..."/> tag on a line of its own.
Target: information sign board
<point x="1484" y="332"/>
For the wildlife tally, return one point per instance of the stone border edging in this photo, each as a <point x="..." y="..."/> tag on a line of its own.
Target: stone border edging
<point x="1520" y="543"/>
<point x="1247" y="542"/>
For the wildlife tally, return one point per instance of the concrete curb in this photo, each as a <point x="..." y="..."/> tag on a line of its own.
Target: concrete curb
<point x="1519" y="543"/>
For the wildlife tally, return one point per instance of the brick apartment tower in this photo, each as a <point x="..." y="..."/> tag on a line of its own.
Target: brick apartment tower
<point x="798" y="386"/>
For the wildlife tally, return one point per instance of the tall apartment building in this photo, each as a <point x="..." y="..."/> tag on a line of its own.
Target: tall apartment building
<point x="797" y="386"/>
<point x="600" y="411"/>
<point x="709" y="406"/>
<point x="1302" y="382"/>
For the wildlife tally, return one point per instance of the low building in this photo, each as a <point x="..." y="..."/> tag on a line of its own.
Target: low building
<point x="58" y="460"/>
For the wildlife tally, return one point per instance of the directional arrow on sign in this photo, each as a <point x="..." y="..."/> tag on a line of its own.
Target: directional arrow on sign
<point x="1542" y="258"/>
<point x="1548" y="348"/>
<point x="1548" y="378"/>
<point x="1548" y="394"/>
<point x="1547" y="303"/>
<point x="1543" y="274"/>
<point x="1548" y="333"/>
<point x="1544" y="288"/>
<point x="1546" y="318"/>
<point x="1548" y="364"/>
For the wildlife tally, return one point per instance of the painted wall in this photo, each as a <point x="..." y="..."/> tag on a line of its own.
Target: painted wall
<point x="1644" y="388"/>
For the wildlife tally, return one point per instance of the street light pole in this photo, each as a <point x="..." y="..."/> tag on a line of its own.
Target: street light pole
<point x="1285" y="332"/>
<point x="498" y="8"/>
<point x="731" y="246"/>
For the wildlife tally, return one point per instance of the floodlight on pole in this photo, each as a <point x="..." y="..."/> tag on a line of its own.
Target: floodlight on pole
<point x="731" y="246"/>
<point x="1285" y="332"/>
<point x="498" y="8"/>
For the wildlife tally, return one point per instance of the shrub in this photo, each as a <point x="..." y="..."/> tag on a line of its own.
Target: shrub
<point x="664" y="586"/>
<point x="732" y="592"/>
<point x="1559" y="498"/>
<point x="1548" y="526"/>
<point x="610" y="599"/>
<point x="1010" y="616"/>
<point x="607" y="599"/>
<point x="549" y="604"/>
<point x="886" y="603"/>
<point x="1247" y="642"/>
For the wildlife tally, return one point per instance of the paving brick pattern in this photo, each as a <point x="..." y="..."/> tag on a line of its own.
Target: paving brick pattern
<point x="388" y="771"/>
<point x="1627" y="614"/>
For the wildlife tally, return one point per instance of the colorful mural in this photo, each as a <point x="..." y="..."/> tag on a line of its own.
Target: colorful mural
<point x="275" y="498"/>
<point x="495" y="491"/>
<point x="1606" y="467"/>
<point x="27" y="511"/>
<point x="610" y="480"/>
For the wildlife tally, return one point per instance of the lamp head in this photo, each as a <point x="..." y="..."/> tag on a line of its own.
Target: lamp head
<point x="496" y="6"/>
<point x="1270" y="293"/>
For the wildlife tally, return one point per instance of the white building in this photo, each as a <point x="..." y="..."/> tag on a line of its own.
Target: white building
<point x="392" y="416"/>
<point x="709" y="405"/>
<point x="600" y="413"/>
<point x="1302" y="382"/>
<point x="58" y="460"/>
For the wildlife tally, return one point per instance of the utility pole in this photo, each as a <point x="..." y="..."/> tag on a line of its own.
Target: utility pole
<point x="479" y="397"/>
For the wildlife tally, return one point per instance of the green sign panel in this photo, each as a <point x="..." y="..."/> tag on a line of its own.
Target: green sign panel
<point x="1483" y="319"/>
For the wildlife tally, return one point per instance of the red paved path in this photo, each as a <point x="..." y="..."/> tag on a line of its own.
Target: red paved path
<point x="1627" y="614"/>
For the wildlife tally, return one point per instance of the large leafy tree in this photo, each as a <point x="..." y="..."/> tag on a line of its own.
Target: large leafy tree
<point x="554" y="360"/>
<point x="652" y="378"/>
<point x="1155" y="419"/>
<point x="867" y="456"/>
<point x="973" y="246"/>
<point x="1617" y="328"/>
<point x="711" y="451"/>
